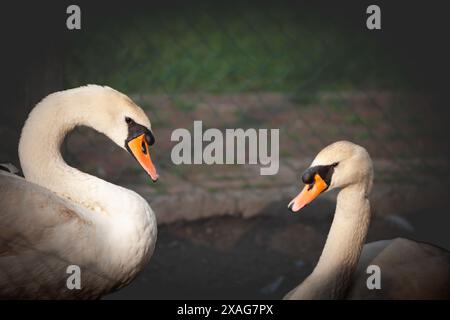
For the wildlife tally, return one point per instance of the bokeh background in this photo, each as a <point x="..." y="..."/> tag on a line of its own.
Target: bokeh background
<point x="312" y="70"/>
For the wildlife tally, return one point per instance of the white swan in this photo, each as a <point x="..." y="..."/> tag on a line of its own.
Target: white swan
<point x="409" y="270"/>
<point x="59" y="216"/>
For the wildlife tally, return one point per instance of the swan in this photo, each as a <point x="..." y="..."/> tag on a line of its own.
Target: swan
<point x="408" y="269"/>
<point x="59" y="222"/>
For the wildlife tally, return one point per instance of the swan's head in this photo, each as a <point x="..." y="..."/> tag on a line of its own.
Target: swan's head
<point x="339" y="165"/>
<point x="115" y="115"/>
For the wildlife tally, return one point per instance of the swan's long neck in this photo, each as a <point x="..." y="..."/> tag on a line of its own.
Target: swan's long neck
<point x="340" y="256"/>
<point x="42" y="163"/>
<point x="123" y="231"/>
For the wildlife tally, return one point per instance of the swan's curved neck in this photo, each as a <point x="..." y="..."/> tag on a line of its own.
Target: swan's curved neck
<point x="123" y="224"/>
<point x="339" y="259"/>
<point x="43" y="164"/>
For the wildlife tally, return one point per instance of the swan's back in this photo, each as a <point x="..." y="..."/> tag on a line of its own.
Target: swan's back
<point x="409" y="270"/>
<point x="41" y="234"/>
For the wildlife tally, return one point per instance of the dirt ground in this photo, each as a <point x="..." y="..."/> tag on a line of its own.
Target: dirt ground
<point x="257" y="258"/>
<point x="225" y="232"/>
<point x="409" y="150"/>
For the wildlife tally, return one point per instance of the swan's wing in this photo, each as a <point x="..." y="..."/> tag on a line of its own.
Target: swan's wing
<point x="30" y="215"/>
<point x="35" y="246"/>
<point x="409" y="270"/>
<point x="370" y="252"/>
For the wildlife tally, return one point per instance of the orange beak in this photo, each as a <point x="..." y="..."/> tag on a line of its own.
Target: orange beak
<point x="140" y="150"/>
<point x="308" y="194"/>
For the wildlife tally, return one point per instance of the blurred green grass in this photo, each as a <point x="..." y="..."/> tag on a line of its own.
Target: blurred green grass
<point x="223" y="49"/>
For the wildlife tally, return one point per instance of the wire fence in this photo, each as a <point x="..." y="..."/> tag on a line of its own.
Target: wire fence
<point x="269" y="67"/>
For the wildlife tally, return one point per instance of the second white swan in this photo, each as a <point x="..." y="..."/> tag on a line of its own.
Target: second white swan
<point x="409" y="270"/>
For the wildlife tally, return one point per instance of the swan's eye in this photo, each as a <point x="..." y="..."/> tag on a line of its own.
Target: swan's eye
<point x="325" y="172"/>
<point x="335" y="164"/>
<point x="128" y="120"/>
